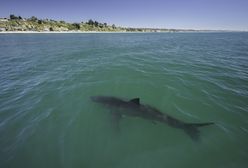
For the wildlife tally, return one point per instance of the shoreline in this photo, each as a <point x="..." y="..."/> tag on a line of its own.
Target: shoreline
<point x="56" y="32"/>
<point x="90" y="32"/>
<point x="73" y="32"/>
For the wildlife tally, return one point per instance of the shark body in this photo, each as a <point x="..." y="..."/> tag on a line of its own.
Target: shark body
<point x="133" y="108"/>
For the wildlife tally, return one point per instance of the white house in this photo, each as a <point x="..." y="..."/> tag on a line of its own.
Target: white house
<point x="3" y="19"/>
<point x="2" y="29"/>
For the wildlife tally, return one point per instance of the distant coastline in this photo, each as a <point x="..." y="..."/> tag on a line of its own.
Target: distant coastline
<point x="54" y="32"/>
<point x="17" y="24"/>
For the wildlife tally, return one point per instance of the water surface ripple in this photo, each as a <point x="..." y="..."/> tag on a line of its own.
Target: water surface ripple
<point x="47" y="119"/>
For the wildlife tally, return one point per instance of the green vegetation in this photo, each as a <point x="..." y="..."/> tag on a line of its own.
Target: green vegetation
<point x="18" y="23"/>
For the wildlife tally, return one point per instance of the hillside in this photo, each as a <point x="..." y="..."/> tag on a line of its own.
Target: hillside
<point x="17" y="23"/>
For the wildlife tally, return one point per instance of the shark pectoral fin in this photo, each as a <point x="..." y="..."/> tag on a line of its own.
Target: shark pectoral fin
<point x="116" y="117"/>
<point x="135" y="100"/>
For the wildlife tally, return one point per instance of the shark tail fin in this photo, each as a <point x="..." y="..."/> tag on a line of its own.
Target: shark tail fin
<point x="192" y="129"/>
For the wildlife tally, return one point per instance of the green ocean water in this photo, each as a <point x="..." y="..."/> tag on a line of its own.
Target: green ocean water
<point x="48" y="120"/>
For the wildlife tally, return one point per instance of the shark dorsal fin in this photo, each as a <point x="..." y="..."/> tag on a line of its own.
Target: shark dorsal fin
<point x="135" y="100"/>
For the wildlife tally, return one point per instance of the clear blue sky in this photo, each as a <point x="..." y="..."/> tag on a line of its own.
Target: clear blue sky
<point x="196" y="14"/>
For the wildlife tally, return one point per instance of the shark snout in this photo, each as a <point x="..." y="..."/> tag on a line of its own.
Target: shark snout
<point x="94" y="98"/>
<point x="98" y="99"/>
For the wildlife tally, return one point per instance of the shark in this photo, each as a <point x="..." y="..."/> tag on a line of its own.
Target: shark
<point x="133" y="108"/>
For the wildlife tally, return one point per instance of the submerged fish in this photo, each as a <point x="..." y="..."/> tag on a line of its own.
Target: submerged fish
<point x="133" y="108"/>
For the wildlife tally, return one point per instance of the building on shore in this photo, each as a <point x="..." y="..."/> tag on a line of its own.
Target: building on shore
<point x="2" y="29"/>
<point x="4" y="20"/>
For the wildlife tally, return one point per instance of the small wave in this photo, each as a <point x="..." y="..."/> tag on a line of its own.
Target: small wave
<point x="185" y="112"/>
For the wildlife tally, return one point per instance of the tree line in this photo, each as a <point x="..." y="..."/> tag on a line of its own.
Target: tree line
<point x="76" y="25"/>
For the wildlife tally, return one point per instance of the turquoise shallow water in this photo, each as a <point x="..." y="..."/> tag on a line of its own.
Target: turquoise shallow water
<point x="48" y="120"/>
